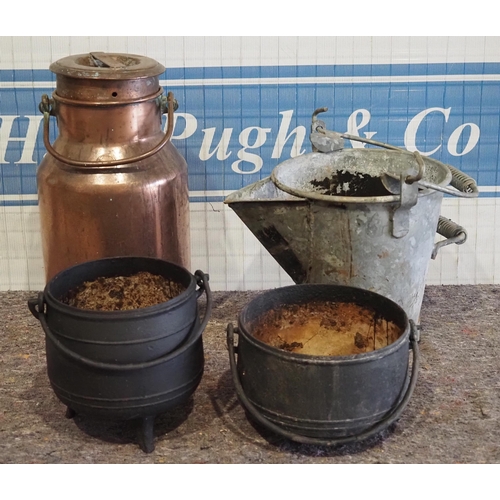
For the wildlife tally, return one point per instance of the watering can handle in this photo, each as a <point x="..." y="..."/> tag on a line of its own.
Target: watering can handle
<point x="465" y="186"/>
<point x="451" y="231"/>
<point x="394" y="415"/>
<point x="167" y="103"/>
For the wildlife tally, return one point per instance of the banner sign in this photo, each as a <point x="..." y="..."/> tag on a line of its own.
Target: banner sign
<point x="235" y="124"/>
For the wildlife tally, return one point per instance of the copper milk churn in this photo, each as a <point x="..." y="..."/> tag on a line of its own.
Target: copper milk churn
<point x="111" y="184"/>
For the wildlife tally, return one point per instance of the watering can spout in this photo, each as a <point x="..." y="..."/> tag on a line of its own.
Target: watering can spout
<point x="277" y="220"/>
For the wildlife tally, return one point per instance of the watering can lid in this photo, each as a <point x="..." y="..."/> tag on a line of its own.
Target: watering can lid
<point x="107" y="66"/>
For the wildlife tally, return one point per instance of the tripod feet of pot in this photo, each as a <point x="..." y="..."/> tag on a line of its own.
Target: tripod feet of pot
<point x="146" y="435"/>
<point x="70" y="413"/>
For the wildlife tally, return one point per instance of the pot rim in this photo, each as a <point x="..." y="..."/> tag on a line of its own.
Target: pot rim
<point x="88" y="314"/>
<point x="320" y="359"/>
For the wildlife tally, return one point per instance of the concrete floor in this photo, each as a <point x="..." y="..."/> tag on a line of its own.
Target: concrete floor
<point x="452" y="417"/>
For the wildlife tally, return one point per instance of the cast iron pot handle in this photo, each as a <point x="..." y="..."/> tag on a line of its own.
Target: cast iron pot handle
<point x="388" y="420"/>
<point x="45" y="108"/>
<point x="37" y="308"/>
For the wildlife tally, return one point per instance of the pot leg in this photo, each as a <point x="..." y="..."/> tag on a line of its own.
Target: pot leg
<point x="146" y="438"/>
<point x="70" y="413"/>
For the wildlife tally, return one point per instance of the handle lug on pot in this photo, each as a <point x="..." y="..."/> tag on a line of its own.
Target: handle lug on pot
<point x="414" y="331"/>
<point x="231" y="330"/>
<point x="37" y="306"/>
<point x="202" y="281"/>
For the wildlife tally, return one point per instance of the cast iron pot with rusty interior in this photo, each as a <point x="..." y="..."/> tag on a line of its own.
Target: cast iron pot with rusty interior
<point x="122" y="365"/>
<point x="323" y="364"/>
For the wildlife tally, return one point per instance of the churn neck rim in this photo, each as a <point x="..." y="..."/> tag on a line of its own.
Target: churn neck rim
<point x="107" y="66"/>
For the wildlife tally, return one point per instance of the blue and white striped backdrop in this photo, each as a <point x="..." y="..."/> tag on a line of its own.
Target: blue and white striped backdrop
<point x="237" y="121"/>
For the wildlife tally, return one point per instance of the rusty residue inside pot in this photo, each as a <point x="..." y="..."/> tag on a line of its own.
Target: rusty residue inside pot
<point x="326" y="329"/>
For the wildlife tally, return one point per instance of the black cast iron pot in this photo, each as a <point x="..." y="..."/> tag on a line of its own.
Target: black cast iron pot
<point x="323" y="400"/>
<point x="128" y="389"/>
<point x="130" y="336"/>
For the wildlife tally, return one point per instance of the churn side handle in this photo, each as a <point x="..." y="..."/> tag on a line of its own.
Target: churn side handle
<point x="45" y="108"/>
